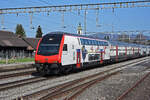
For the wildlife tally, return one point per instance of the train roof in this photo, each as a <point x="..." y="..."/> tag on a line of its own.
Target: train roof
<point x="120" y="43"/>
<point x="78" y="35"/>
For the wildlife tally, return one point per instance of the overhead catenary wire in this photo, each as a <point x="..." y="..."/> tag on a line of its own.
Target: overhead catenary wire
<point x="79" y="14"/>
<point x="109" y="5"/>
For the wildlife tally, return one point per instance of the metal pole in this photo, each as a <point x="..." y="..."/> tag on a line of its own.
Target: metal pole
<point x="2" y="21"/>
<point x="31" y="17"/>
<point x="97" y="13"/>
<point x="63" y="20"/>
<point x="112" y="30"/>
<point x="6" y="56"/>
<point x="85" y="22"/>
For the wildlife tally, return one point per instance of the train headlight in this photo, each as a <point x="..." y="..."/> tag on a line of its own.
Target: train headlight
<point x="38" y="61"/>
<point x="54" y="61"/>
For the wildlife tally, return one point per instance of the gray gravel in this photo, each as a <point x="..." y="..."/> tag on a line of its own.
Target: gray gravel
<point x="113" y="87"/>
<point x="24" y="90"/>
<point x="141" y="92"/>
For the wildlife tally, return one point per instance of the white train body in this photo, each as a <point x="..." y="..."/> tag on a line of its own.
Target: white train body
<point x="61" y="51"/>
<point x="86" y="50"/>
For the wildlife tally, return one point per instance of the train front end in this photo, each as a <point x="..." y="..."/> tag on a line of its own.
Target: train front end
<point x="48" y="54"/>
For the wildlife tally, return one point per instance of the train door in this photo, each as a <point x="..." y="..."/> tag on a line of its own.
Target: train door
<point x="78" y="58"/>
<point x="101" y="56"/>
<point x="106" y="52"/>
<point x="126" y="57"/>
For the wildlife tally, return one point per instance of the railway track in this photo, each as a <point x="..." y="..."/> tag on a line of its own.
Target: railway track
<point x="17" y="74"/>
<point x="72" y="89"/>
<point x="123" y="95"/>
<point x="15" y="69"/>
<point x="14" y="84"/>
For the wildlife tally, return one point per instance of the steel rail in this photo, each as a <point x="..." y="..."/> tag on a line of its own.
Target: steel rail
<point x="80" y="80"/>
<point x="14" y="84"/>
<point x="81" y="88"/>
<point x="65" y="85"/>
<point x="16" y="74"/>
<point x="15" y="69"/>
<point x="123" y="95"/>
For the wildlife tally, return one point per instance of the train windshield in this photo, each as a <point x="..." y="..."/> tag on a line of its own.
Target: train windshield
<point x="49" y="45"/>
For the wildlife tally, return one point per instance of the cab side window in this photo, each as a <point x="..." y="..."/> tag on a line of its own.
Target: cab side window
<point x="65" y="47"/>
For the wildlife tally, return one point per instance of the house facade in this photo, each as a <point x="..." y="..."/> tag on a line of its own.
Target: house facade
<point x="12" y="46"/>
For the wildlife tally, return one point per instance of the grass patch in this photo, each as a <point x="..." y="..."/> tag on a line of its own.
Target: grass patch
<point x="21" y="60"/>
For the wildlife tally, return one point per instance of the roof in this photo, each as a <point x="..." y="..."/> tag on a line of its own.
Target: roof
<point x="32" y="41"/>
<point x="72" y="34"/>
<point x="9" y="39"/>
<point x="120" y="43"/>
<point x="6" y="34"/>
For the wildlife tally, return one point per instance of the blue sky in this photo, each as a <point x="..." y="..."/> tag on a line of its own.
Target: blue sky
<point x="121" y="19"/>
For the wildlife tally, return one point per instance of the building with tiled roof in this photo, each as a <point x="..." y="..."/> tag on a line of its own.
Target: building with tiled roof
<point x="12" y="46"/>
<point x="32" y="42"/>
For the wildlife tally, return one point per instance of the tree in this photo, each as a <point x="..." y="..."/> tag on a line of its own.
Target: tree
<point x="39" y="32"/>
<point x="20" y="31"/>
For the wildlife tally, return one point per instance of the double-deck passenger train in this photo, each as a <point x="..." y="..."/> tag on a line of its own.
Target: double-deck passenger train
<point x="60" y="52"/>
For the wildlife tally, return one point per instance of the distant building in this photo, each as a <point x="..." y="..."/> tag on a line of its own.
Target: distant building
<point x="79" y="30"/>
<point x="32" y="42"/>
<point x="12" y="46"/>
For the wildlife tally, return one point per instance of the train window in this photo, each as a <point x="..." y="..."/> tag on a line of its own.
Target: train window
<point x="99" y="43"/>
<point x="96" y="42"/>
<point x="51" y="39"/>
<point x="93" y="42"/>
<point x="105" y="43"/>
<point x="86" y="42"/>
<point x="90" y="42"/>
<point x="48" y="49"/>
<point x="102" y="43"/>
<point x="65" y="47"/>
<point x="81" y="41"/>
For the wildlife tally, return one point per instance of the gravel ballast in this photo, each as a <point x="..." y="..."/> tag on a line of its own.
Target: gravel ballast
<point x="98" y="91"/>
<point x="113" y="87"/>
